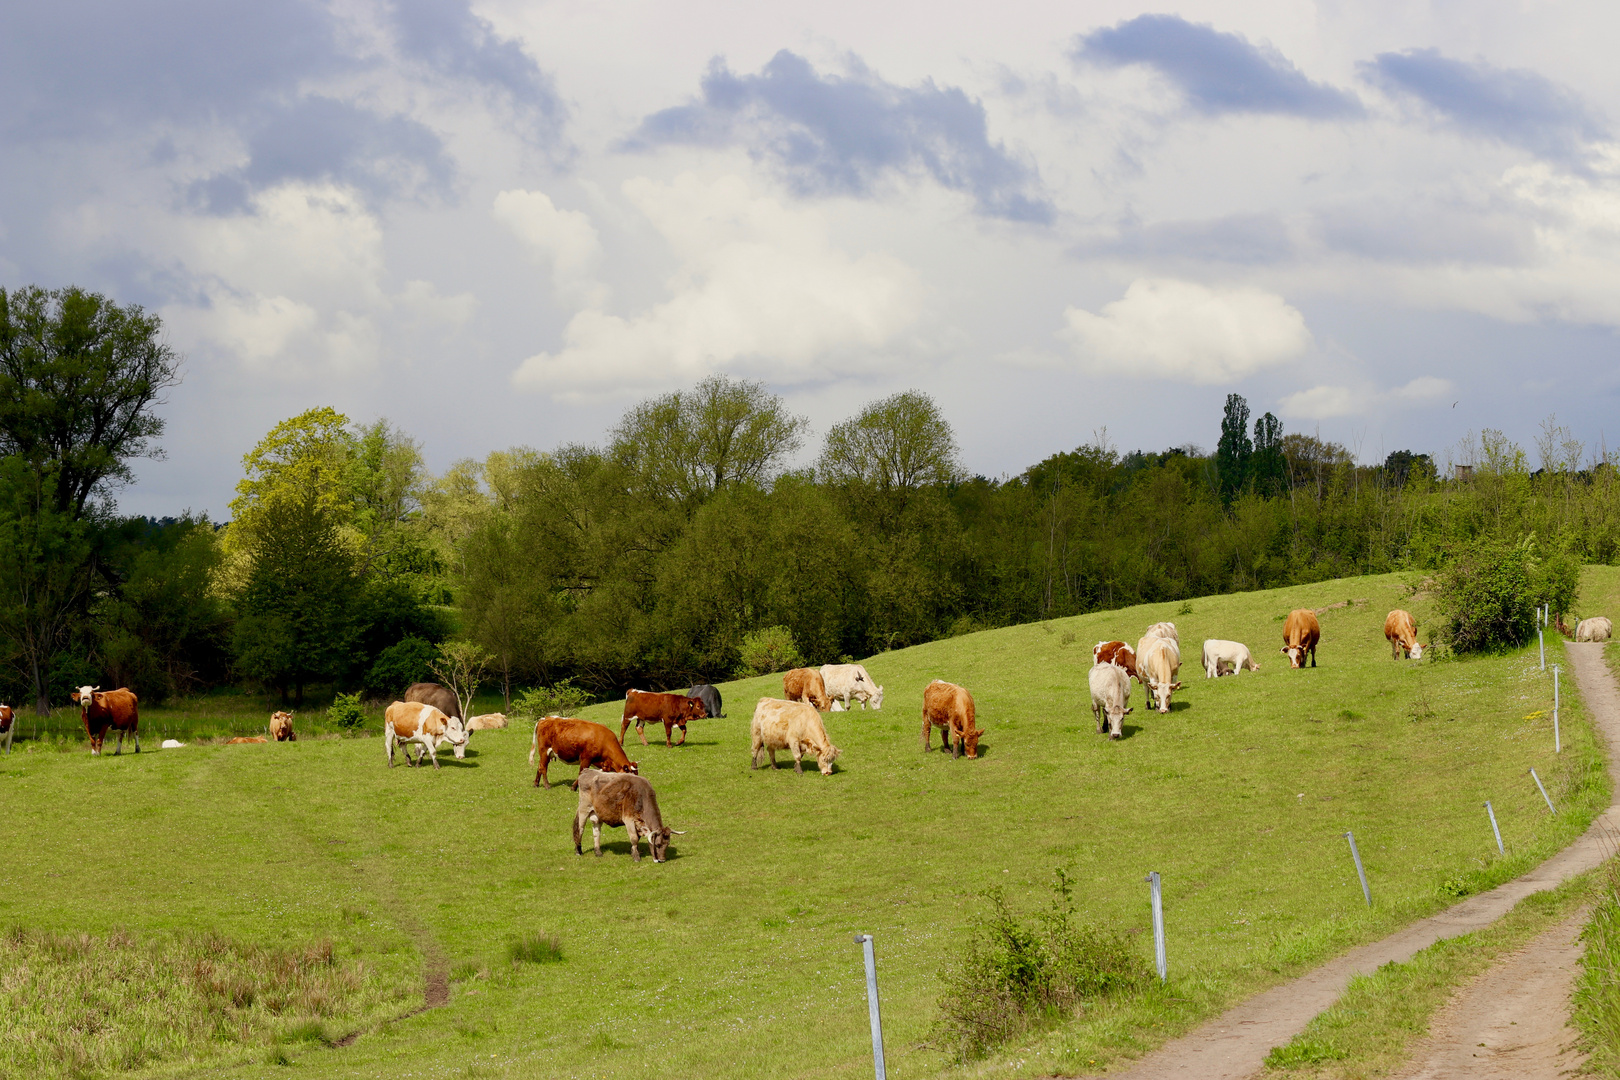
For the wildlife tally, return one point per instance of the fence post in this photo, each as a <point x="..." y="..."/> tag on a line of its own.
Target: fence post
<point x="1158" y="927"/>
<point x="1494" y="829"/>
<point x="865" y="941"/>
<point x="1558" y="746"/>
<point x="1356" y="855"/>
<point x="1543" y="791"/>
<point x="1541" y="642"/>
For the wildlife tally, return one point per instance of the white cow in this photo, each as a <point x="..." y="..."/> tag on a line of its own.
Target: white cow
<point x="1158" y="659"/>
<point x="1164" y="630"/>
<point x="850" y="682"/>
<point x="1596" y="628"/>
<point x="1110" y="698"/>
<point x="408" y="722"/>
<point x="1232" y="654"/>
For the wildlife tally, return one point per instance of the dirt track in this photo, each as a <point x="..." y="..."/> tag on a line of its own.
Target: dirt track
<point x="1233" y="1046"/>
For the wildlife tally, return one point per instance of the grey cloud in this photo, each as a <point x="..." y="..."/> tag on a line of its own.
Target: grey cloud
<point x="1240" y="238"/>
<point x="1517" y="107"/>
<point x="1426" y="232"/>
<point x="1216" y="72"/>
<point x="844" y="133"/>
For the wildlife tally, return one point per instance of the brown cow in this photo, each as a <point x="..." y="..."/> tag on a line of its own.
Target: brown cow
<point x="246" y="739"/>
<point x="407" y="722"/>
<point x="951" y="707"/>
<point x="1401" y="632"/>
<point x="620" y="799"/>
<point x="590" y="746"/>
<point x="281" y="728"/>
<point x="431" y="693"/>
<point x="1300" y="634"/>
<point x="8" y="725"/>
<point x="1117" y="653"/>
<point x="806" y="685"/>
<point x="109" y="709"/>
<point x="674" y="710"/>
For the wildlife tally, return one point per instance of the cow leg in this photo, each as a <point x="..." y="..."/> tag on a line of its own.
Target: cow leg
<point x="135" y="734"/>
<point x="540" y="777"/>
<point x="927" y="734"/>
<point x="798" y="759"/>
<point x="579" y="823"/>
<point x="596" y="835"/>
<point x="433" y="754"/>
<point x="633" y="827"/>
<point x="1313" y="656"/>
<point x="771" y="750"/>
<point x="624" y="728"/>
<point x="120" y="749"/>
<point x="957" y="743"/>
<point x="681" y="743"/>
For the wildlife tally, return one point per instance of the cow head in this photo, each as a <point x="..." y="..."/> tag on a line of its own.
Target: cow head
<point x="825" y="759"/>
<point x="83" y="696"/>
<point x="660" y="842"/>
<point x="875" y="700"/>
<point x="970" y="739"/>
<point x="455" y="733"/>
<point x="635" y="767"/>
<point x="695" y="710"/>
<point x="1295" y="654"/>
<point x="1417" y="651"/>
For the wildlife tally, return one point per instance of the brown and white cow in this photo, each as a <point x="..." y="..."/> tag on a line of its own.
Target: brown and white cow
<point x="620" y="799"/>
<point x="806" y="685"/>
<point x="8" y="725"/>
<point x="1117" y="653"/>
<point x="1220" y="654"/>
<point x="1597" y="628"/>
<point x="1110" y="698"/>
<point x="412" y="722"/>
<point x="846" y="684"/>
<point x="642" y="706"/>
<point x="281" y="728"/>
<point x="794" y="726"/>
<point x="949" y="706"/>
<point x="109" y="710"/>
<point x="1300" y="634"/>
<point x="1401" y="632"/>
<point x="580" y="742"/>
<point x="1158" y="660"/>
<point x="440" y="697"/>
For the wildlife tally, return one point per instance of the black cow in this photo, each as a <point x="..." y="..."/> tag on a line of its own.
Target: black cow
<point x="431" y="693"/>
<point x="709" y="696"/>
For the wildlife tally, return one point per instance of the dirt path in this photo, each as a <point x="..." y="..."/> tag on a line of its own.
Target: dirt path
<point x="1511" y="1023"/>
<point x="1233" y="1046"/>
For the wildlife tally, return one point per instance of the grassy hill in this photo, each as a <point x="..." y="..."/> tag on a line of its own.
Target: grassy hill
<point x="735" y="958"/>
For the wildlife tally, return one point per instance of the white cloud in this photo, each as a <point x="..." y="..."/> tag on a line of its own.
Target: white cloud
<point x="1164" y="328"/>
<point x="565" y="239"/>
<point x="759" y="284"/>
<point x="1327" y="402"/>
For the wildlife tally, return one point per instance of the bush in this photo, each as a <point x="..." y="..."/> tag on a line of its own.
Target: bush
<point x="1486" y="597"/>
<point x="558" y="699"/>
<point x="401" y="664"/>
<point x="1016" y="975"/>
<point x="768" y="650"/>
<point x="346" y="712"/>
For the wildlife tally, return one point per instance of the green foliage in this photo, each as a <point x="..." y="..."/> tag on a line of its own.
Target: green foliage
<point x="346" y="713"/>
<point x="1016" y="974"/>
<point x="460" y="666"/>
<point x="1303" y="1053"/>
<point x="1597" y="989"/>
<point x="407" y="661"/>
<point x="558" y="699"/>
<point x="1489" y="592"/>
<point x="534" y="949"/>
<point x="1234" y="450"/>
<point x="768" y="650"/>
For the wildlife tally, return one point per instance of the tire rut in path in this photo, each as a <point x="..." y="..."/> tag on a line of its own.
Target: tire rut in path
<point x="1233" y="1046"/>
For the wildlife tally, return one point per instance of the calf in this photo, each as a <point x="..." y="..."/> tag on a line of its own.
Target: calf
<point x="1117" y="653"/>
<point x="851" y="683"/>
<point x="105" y="710"/>
<point x="709" y="696"/>
<point x="1220" y="654"/>
<point x="590" y="746"/>
<point x="408" y="722"/>
<point x="1110" y="698"/>
<point x="950" y="706"/>
<point x="1401" y="632"/>
<point x="804" y="684"/>
<point x="281" y="728"/>
<point x="8" y="725"/>
<point x="674" y="710"/>
<point x="1300" y="634"/>
<point x="792" y="726"/>
<point x="620" y="799"/>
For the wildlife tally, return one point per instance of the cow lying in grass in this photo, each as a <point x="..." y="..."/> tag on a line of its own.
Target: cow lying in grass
<point x="411" y="722"/>
<point x="591" y="746"/>
<point x="620" y="799"/>
<point x="793" y="726"/>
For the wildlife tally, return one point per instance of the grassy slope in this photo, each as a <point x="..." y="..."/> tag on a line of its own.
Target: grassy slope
<point x="735" y="958"/>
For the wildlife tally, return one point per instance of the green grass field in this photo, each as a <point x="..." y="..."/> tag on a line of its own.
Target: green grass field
<point x="735" y="958"/>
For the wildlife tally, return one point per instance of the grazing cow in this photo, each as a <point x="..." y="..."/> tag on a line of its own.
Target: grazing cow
<point x="431" y="693"/>
<point x="246" y="739"/>
<point x="105" y="710"/>
<point x="951" y="707"/>
<point x="847" y="683"/>
<point x="1117" y="653"/>
<point x="804" y="684"/>
<point x="8" y="725"/>
<point x="1597" y="628"/>
<point x="1158" y="659"/>
<point x="710" y="697"/>
<point x="1402" y="634"/>
<point x="1220" y="654"/>
<point x="408" y="722"/>
<point x="1300" y="634"/>
<point x="281" y="728"/>
<point x="674" y="710"/>
<point x="1110" y="698"/>
<point x="793" y="726"/>
<point x="1164" y="630"/>
<point x="579" y="742"/>
<point x="621" y="799"/>
<point x="490" y="721"/>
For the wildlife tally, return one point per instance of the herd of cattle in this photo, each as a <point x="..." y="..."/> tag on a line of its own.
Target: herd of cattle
<point x="613" y="792"/>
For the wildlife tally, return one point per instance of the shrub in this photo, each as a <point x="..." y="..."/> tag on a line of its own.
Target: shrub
<point x="1015" y="974"/>
<point x="534" y="949"/>
<point x="768" y="650"/>
<point x="407" y="661"/>
<point x="1486" y="596"/>
<point x="346" y="712"/>
<point x="558" y="699"/>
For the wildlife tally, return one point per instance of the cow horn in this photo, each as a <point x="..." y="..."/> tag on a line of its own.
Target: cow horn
<point x="677" y="832"/>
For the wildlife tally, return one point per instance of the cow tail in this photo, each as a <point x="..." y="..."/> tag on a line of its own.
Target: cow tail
<point x="534" y="744"/>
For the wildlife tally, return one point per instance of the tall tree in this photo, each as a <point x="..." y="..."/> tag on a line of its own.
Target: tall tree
<point x="1233" y="451"/>
<point x="1268" y="466"/>
<point x="893" y="446"/>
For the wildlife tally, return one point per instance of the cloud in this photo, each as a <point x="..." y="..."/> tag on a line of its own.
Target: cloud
<point x="1419" y="230"/>
<point x="564" y="239"/>
<point x="1237" y="238"/>
<point x="1163" y="328"/>
<point x="759" y="286"/>
<point x="845" y="134"/>
<point x="1327" y="402"/>
<point x="1514" y="106"/>
<point x="1216" y="72"/>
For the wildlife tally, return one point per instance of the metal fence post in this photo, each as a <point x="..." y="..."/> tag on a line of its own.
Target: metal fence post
<point x="1356" y="855"/>
<point x="1542" y="643"/>
<point x="865" y="941"/>
<point x="1158" y="927"/>
<point x="1494" y="829"/>
<point x="1558" y="746"/>
<point x="1543" y="791"/>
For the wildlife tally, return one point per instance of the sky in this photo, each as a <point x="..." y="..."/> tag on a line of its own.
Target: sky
<point x="502" y="223"/>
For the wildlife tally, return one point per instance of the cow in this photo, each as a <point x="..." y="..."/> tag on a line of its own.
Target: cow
<point x="848" y="683"/>
<point x="1158" y="659"/>
<point x="105" y="710"/>
<point x="578" y="742"/>
<point x="1117" y="653"/>
<point x="440" y="697"/>
<point x="804" y="684"/>
<point x="674" y="710"/>
<point x="620" y="799"/>
<point x="710" y="697"/>
<point x="794" y="726"/>
<point x="281" y="728"/>
<point x="1164" y="630"/>
<point x="951" y="707"/>
<point x="246" y="739"/>
<point x="1401" y="632"/>
<point x="8" y="725"/>
<point x="1596" y="628"/>
<point x="490" y="721"/>
<point x="408" y="722"/>
<point x="1300" y="634"/>
<point x="1219" y="654"/>
<point x="1110" y="698"/>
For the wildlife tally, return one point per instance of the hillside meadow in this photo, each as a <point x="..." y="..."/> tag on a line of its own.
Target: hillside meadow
<point x="735" y="958"/>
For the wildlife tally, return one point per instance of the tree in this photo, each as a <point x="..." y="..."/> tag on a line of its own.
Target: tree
<point x="461" y="666"/>
<point x="1268" y="466"/>
<point x="893" y="446"/>
<point x="1233" y="451"/>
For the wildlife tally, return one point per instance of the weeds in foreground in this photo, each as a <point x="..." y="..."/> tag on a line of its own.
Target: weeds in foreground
<point x="1597" y="989"/>
<point x="534" y="949"/>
